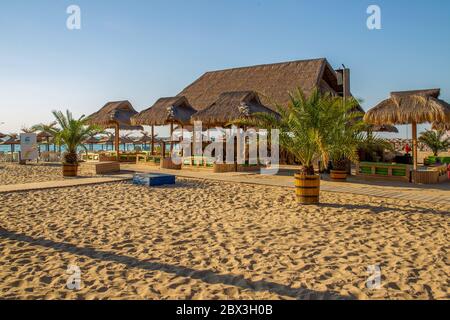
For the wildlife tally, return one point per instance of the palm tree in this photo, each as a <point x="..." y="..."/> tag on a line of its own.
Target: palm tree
<point x="313" y="128"/>
<point x="25" y="129"/>
<point x="47" y="129"/>
<point x="435" y="140"/>
<point x="372" y="145"/>
<point x="71" y="133"/>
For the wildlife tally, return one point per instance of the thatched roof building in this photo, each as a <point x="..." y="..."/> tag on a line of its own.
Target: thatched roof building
<point x="112" y="113"/>
<point x="406" y="107"/>
<point x="117" y="115"/>
<point x="165" y="111"/>
<point x="272" y="82"/>
<point x="231" y="106"/>
<point x="410" y="107"/>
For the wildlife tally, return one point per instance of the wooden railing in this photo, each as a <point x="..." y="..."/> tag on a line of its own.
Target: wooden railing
<point x="384" y="170"/>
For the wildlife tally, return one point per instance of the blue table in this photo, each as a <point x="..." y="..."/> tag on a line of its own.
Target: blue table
<point x="153" y="179"/>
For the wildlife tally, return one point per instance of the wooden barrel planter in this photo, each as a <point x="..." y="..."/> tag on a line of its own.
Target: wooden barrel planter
<point x="338" y="175"/>
<point x="70" y="170"/>
<point x="307" y="188"/>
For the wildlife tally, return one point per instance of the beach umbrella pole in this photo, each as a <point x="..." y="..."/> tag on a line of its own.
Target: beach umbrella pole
<point x="153" y="140"/>
<point x="414" y="137"/>
<point x="117" y="140"/>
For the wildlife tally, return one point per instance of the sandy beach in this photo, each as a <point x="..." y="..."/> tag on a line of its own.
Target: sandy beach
<point x="216" y="240"/>
<point x="13" y="173"/>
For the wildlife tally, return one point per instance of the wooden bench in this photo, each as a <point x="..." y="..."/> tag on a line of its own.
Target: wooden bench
<point x="383" y="170"/>
<point x="432" y="175"/>
<point x="95" y="168"/>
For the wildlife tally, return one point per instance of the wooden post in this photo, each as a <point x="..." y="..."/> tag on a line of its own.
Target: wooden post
<point x="117" y="140"/>
<point x="153" y="140"/>
<point x="414" y="137"/>
<point x="181" y="140"/>
<point x="171" y="138"/>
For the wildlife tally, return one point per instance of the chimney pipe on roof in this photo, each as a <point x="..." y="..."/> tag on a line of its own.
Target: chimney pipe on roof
<point x="343" y="77"/>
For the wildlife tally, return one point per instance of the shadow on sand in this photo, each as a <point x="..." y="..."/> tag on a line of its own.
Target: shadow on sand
<point x="206" y="276"/>
<point x="384" y="208"/>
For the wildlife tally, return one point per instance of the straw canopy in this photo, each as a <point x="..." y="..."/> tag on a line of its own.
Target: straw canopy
<point x="106" y="139"/>
<point x="165" y="111"/>
<point x="408" y="107"/>
<point x="115" y="115"/>
<point x="117" y="112"/>
<point x="411" y="107"/>
<point x="441" y="126"/>
<point x="231" y="106"/>
<point x="12" y="140"/>
<point x="91" y="140"/>
<point x="383" y="128"/>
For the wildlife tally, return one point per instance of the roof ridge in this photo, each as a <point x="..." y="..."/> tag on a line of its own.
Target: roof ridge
<point x="265" y="65"/>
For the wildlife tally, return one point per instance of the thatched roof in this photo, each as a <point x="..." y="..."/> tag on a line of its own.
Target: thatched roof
<point x="2" y="135"/>
<point x="441" y="126"/>
<point x="405" y="107"/>
<point x="231" y="106"/>
<point x="383" y="128"/>
<point x="12" y="139"/>
<point x="91" y="140"/>
<point x="165" y="111"/>
<point x="115" y="112"/>
<point x="272" y="82"/>
<point x="106" y="139"/>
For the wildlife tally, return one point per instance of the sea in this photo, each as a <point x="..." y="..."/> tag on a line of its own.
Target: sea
<point x="94" y="147"/>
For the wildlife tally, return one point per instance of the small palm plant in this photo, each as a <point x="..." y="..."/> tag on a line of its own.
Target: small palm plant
<point x="314" y="128"/>
<point x="71" y="133"/>
<point x="435" y="140"/>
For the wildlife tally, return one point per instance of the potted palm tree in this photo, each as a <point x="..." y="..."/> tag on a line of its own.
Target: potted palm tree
<point x="344" y="140"/>
<point x="71" y="134"/>
<point x="436" y="141"/>
<point x="307" y="129"/>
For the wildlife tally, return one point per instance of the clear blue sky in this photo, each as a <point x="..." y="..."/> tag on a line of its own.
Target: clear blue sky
<point x="142" y="50"/>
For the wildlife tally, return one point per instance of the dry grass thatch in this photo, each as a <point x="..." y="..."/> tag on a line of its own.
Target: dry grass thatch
<point x="165" y="111"/>
<point x="115" y="112"/>
<point x="272" y="82"/>
<point x="441" y="126"/>
<point x="12" y="139"/>
<point x="231" y="106"/>
<point x="406" y="107"/>
<point x="383" y="128"/>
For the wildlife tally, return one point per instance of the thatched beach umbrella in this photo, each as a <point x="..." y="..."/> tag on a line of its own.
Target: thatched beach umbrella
<point x="231" y="106"/>
<point x="105" y="140"/>
<point x="410" y="107"/>
<point x="2" y="135"/>
<point x="383" y="128"/>
<point x="12" y="140"/>
<point x="145" y="139"/>
<point x="44" y="138"/>
<point x="91" y="141"/>
<point x="166" y="111"/>
<point x="115" y="115"/>
<point x="441" y="126"/>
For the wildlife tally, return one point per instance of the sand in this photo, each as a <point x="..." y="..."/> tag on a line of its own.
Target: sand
<point x="217" y="240"/>
<point x="13" y="173"/>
